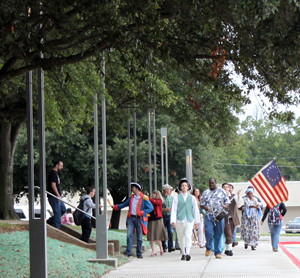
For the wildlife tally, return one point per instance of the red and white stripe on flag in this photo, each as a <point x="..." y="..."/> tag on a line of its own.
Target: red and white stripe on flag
<point x="272" y="189"/>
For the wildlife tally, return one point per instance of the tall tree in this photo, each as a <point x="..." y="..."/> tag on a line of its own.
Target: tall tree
<point x="11" y="120"/>
<point x="199" y="37"/>
<point x="259" y="38"/>
<point x="261" y="141"/>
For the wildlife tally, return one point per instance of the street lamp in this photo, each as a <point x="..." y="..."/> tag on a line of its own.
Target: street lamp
<point x="189" y="170"/>
<point x="101" y="219"/>
<point x="152" y="166"/>
<point x="149" y="152"/>
<point x="128" y="157"/>
<point x="164" y="155"/>
<point x="154" y="151"/>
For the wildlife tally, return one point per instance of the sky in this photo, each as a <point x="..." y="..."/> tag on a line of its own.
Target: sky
<point x="255" y="108"/>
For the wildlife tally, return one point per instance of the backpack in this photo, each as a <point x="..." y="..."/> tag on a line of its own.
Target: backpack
<point x="77" y="214"/>
<point x="274" y="216"/>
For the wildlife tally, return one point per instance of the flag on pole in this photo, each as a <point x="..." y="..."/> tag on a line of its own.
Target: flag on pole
<point x="270" y="185"/>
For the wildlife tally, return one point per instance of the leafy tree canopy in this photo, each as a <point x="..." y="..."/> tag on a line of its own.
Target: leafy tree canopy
<point x="259" y="38"/>
<point x="260" y="142"/>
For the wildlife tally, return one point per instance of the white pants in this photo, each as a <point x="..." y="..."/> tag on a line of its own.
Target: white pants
<point x="184" y="233"/>
<point x="201" y="234"/>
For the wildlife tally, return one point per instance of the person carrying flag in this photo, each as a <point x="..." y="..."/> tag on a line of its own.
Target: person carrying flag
<point x="275" y="222"/>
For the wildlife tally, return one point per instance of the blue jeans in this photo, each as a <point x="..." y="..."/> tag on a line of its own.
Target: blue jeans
<point x="213" y="229"/>
<point x="234" y="235"/>
<point x="131" y="224"/>
<point x="275" y="232"/>
<point x="168" y="226"/>
<point x="58" y="209"/>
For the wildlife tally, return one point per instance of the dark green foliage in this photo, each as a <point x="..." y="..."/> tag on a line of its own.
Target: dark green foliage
<point x="260" y="142"/>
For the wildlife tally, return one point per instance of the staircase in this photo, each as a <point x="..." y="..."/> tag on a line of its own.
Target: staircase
<point x="70" y="235"/>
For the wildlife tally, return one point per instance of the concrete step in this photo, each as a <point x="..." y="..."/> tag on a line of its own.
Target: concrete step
<point x="113" y="245"/>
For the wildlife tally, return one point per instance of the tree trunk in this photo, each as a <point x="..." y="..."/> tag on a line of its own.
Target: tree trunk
<point x="9" y="132"/>
<point x="116" y="214"/>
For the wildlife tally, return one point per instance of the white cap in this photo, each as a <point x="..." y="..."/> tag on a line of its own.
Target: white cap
<point x="167" y="186"/>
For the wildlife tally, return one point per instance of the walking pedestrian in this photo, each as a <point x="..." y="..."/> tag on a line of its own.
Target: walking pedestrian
<point x="234" y="240"/>
<point x="275" y="222"/>
<point x="156" y="229"/>
<point x="54" y="187"/>
<point x="166" y="210"/>
<point x="88" y="206"/>
<point x="213" y="201"/>
<point x="184" y="217"/>
<point x="139" y="207"/>
<point x="250" y="220"/>
<point x="199" y="235"/>
<point x="258" y="200"/>
<point x="231" y="219"/>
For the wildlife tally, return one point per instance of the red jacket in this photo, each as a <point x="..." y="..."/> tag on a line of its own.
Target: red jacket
<point x="157" y="212"/>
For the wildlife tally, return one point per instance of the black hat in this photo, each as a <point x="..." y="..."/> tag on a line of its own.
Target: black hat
<point x="182" y="181"/>
<point x="136" y="185"/>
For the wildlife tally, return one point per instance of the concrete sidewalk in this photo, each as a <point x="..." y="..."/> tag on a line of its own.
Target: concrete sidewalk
<point x="262" y="262"/>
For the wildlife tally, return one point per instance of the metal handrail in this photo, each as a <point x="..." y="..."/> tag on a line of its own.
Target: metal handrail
<point x="67" y="203"/>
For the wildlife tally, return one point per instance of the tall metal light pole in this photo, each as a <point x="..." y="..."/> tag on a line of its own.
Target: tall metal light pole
<point x="134" y="148"/>
<point x="149" y="152"/>
<point x="129" y="157"/>
<point x="101" y="219"/>
<point x="154" y="152"/>
<point x="37" y="226"/>
<point x="164" y="155"/>
<point x="189" y="166"/>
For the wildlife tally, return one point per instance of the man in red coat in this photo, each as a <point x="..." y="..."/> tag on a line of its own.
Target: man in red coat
<point x="139" y="207"/>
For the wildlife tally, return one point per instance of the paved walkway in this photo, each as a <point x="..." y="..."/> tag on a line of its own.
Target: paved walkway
<point x="261" y="263"/>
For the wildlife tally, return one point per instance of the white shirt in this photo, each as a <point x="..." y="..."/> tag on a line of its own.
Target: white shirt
<point x="134" y="204"/>
<point x="195" y="209"/>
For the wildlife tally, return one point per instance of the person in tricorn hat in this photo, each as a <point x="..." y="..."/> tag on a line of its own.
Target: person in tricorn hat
<point x="184" y="217"/>
<point x="139" y="207"/>
<point x="167" y="207"/>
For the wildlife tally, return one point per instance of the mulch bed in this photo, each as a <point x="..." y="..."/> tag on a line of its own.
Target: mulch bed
<point x="8" y="228"/>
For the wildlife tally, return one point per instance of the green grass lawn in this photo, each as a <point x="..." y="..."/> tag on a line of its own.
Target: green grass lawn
<point x="64" y="260"/>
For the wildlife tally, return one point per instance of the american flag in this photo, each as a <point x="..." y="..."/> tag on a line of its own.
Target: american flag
<point x="270" y="185"/>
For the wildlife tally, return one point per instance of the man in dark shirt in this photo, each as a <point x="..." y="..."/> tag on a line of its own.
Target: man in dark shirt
<point x="53" y="187"/>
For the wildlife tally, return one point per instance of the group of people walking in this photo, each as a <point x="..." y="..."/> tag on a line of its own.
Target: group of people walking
<point x="209" y="219"/>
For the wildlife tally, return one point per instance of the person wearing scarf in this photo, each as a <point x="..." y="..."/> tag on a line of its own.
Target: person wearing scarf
<point x="251" y="216"/>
